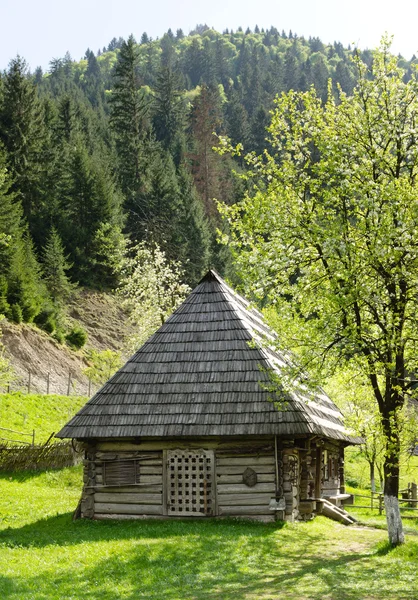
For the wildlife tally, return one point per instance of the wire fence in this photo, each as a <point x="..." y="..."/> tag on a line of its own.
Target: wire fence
<point x="53" y="383"/>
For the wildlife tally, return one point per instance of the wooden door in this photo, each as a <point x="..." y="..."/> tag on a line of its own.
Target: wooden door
<point x="190" y="483"/>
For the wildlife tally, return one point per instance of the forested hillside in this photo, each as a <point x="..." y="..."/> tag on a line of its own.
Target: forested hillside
<point x="118" y="146"/>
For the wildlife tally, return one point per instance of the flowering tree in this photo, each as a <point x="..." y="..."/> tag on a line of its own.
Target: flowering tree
<point x="151" y="288"/>
<point x="329" y="233"/>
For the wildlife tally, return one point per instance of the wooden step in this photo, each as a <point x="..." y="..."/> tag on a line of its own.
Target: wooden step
<point x="336" y="512"/>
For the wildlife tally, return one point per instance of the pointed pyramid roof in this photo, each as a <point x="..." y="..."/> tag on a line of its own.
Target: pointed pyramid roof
<point x="202" y="374"/>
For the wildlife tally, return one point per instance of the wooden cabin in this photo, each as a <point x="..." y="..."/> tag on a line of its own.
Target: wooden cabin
<point x="194" y="424"/>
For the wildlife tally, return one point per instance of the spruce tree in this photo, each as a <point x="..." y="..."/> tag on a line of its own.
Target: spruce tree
<point x="21" y="133"/>
<point x="128" y="118"/>
<point x="54" y="270"/>
<point x="169" y="112"/>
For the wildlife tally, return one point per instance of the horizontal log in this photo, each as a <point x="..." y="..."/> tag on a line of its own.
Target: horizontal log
<point x="246" y="461"/>
<point x="239" y="469"/>
<point x="157" y="445"/>
<point x="155" y="488"/>
<point x="150" y="478"/>
<point x="156" y="464"/>
<point x="241" y="511"/>
<point x="123" y="455"/>
<point x="244" y="489"/>
<point x="127" y="509"/>
<point x="267" y="478"/>
<point x="157" y="470"/>
<point x="106" y="517"/>
<point x="124" y="498"/>
<point x="245" y="451"/>
<point x="244" y="499"/>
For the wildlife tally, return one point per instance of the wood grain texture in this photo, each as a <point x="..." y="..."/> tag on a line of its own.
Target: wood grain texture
<point x="201" y="374"/>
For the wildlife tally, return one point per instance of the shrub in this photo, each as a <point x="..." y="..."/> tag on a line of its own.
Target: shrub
<point x="17" y="314"/>
<point x="46" y="320"/>
<point x="59" y="336"/>
<point x="76" y="338"/>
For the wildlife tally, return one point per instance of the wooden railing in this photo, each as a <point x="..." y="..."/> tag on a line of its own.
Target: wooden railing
<point x="32" y="435"/>
<point x="376" y="500"/>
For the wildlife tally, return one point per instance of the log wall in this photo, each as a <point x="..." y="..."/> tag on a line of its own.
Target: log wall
<point x="137" y="500"/>
<point x="237" y="499"/>
<point x="244" y="478"/>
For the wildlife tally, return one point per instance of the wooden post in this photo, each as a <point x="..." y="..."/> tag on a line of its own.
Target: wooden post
<point x="69" y="384"/>
<point x="33" y="438"/>
<point x="276" y="464"/>
<point x="380" y="504"/>
<point x="341" y="471"/>
<point x="413" y="487"/>
<point x="318" y="472"/>
<point x="29" y="382"/>
<point x="47" y="384"/>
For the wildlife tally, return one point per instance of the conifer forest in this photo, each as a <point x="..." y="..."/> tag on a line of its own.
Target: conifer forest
<point x="117" y="148"/>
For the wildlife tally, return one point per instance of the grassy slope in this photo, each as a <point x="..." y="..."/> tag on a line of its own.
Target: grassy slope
<point x="45" y="414"/>
<point x="44" y="555"/>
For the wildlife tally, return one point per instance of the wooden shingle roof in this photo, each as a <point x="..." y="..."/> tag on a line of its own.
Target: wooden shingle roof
<point x="202" y="374"/>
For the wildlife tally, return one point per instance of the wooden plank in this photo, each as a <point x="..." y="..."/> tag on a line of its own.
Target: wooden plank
<point x="124" y="498"/>
<point x="242" y="511"/>
<point x="128" y="509"/>
<point x="244" y="499"/>
<point x="107" y="517"/>
<point x="156" y="488"/>
<point x="151" y="478"/>
<point x="157" y="470"/>
<point x="264" y="478"/>
<point x="245" y="461"/>
<point x="165" y="483"/>
<point x="239" y="469"/>
<point x="158" y="444"/>
<point x="244" y="489"/>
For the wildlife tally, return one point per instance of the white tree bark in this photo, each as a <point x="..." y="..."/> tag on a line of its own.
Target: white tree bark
<point x="393" y="519"/>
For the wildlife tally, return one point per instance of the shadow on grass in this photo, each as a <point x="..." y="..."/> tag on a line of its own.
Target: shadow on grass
<point x="61" y="530"/>
<point x="241" y="561"/>
<point x="193" y="560"/>
<point x="27" y="476"/>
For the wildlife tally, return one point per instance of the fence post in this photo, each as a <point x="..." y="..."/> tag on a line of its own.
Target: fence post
<point x="69" y="383"/>
<point x="29" y="382"/>
<point x="33" y="438"/>
<point x="47" y="384"/>
<point x="413" y="496"/>
<point x="380" y="504"/>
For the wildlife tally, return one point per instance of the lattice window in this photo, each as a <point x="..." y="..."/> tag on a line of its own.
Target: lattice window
<point x="190" y="482"/>
<point x="120" y="472"/>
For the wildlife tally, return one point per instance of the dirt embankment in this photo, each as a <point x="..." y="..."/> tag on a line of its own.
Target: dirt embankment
<point x="31" y="350"/>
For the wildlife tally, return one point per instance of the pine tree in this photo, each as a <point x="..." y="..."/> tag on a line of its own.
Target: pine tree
<point x="128" y="118"/>
<point x="169" y="112"/>
<point x="194" y="230"/>
<point x="54" y="270"/>
<point x="21" y="133"/>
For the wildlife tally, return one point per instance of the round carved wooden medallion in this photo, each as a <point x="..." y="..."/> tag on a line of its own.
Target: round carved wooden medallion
<point x="249" y="477"/>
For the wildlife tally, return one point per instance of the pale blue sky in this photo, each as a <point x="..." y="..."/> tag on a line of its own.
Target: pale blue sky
<point x="40" y="30"/>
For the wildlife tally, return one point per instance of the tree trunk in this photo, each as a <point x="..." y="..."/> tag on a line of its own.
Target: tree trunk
<point x="372" y="477"/>
<point x="391" y="489"/>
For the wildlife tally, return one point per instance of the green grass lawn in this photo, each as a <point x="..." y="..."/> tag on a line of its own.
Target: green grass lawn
<point x="46" y="556"/>
<point x="42" y="413"/>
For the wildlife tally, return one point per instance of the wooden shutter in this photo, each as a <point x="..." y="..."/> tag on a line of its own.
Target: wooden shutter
<point x="120" y="472"/>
